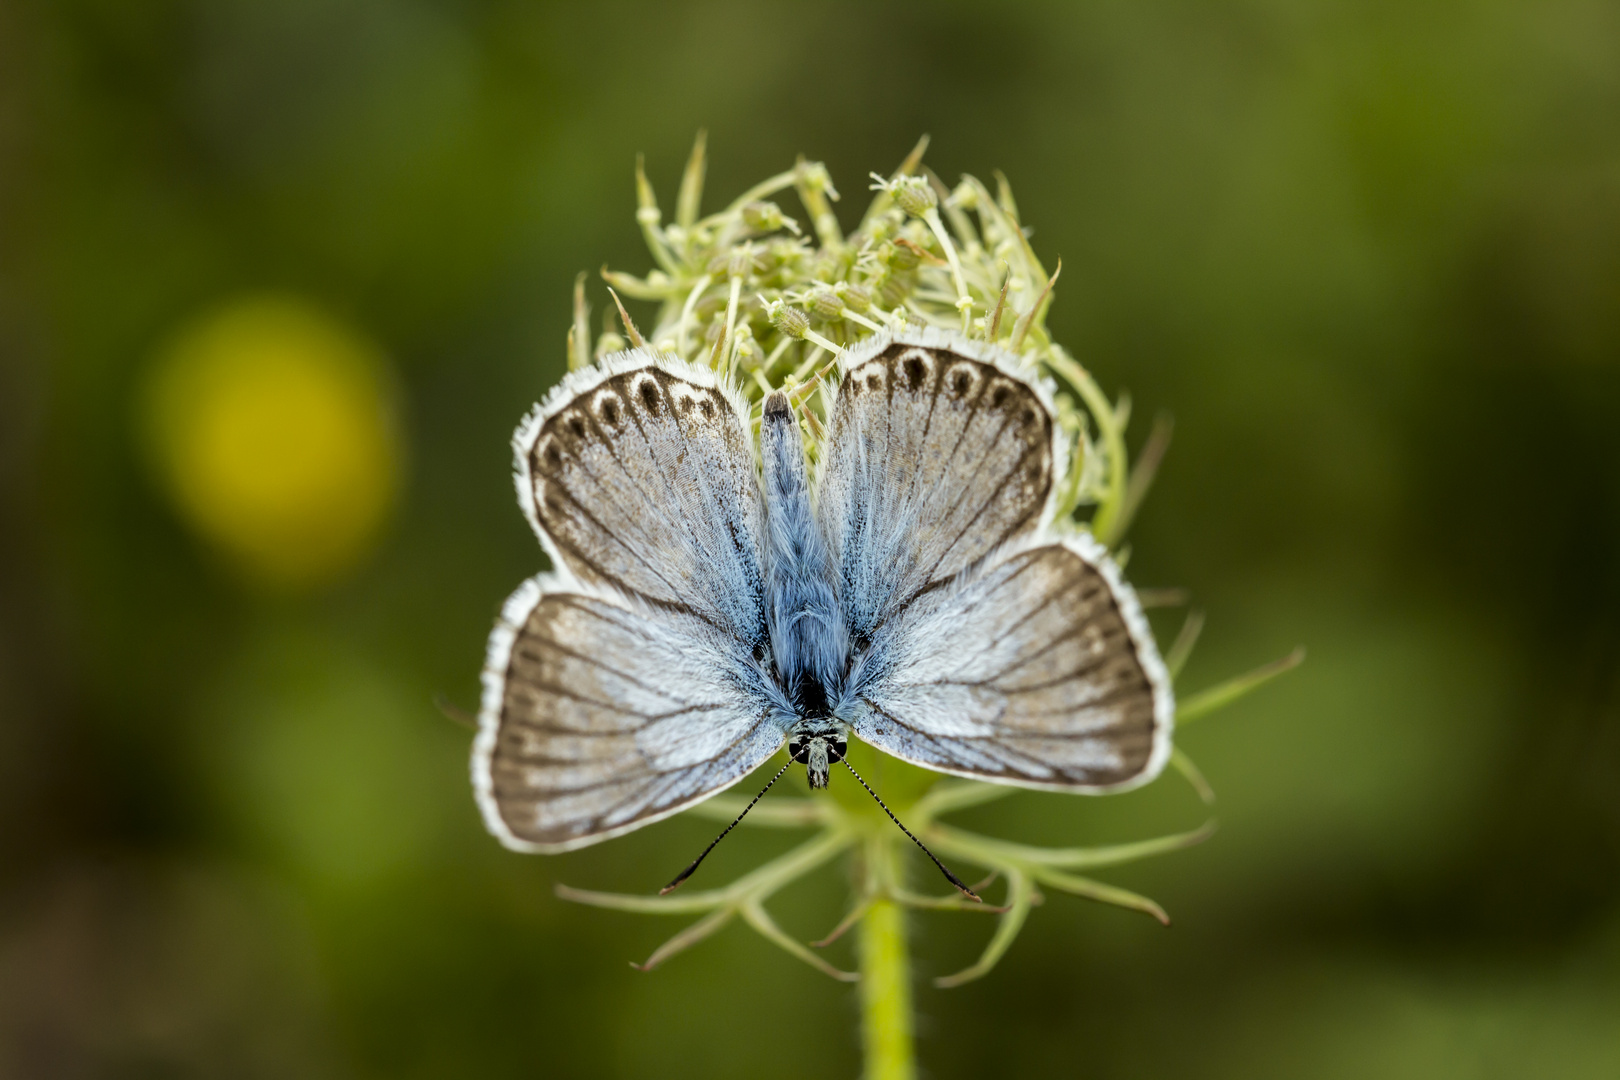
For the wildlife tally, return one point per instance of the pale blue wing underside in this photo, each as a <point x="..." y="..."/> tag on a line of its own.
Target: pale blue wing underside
<point x="602" y="713"/>
<point x="639" y="473"/>
<point x="629" y="683"/>
<point x="1035" y="668"/>
<point x="938" y="452"/>
<point x="986" y="645"/>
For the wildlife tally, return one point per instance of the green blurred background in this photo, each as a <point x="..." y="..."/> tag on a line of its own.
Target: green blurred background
<point x="1368" y="254"/>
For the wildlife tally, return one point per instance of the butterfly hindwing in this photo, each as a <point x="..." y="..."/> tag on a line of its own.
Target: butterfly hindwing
<point x="601" y="713"/>
<point x="1036" y="669"/>
<point x="933" y="459"/>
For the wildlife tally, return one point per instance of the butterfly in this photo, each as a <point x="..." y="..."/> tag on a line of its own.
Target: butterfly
<point x="710" y="601"/>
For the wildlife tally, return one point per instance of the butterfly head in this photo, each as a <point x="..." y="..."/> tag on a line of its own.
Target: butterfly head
<point x="816" y="744"/>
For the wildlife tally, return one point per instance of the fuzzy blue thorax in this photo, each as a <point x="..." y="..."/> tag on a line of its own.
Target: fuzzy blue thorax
<point x="809" y="641"/>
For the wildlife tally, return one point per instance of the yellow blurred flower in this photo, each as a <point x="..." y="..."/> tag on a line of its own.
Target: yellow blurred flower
<point x="273" y="427"/>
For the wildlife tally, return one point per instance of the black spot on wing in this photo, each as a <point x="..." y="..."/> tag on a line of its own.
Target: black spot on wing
<point x="651" y="399"/>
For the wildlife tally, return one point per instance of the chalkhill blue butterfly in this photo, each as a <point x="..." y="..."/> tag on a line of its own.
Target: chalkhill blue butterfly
<point x="710" y="601"/>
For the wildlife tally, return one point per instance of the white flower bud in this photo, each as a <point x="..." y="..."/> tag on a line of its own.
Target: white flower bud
<point x="854" y="297"/>
<point x="814" y="175"/>
<point x="914" y="194"/>
<point x="790" y="320"/>
<point x="825" y="302"/>
<point x="900" y="256"/>
<point x="767" y="217"/>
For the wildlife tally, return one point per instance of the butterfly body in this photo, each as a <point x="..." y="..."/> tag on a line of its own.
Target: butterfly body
<point x="707" y="607"/>
<point x="808" y="636"/>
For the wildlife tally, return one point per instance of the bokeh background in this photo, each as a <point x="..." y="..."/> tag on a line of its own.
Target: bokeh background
<point x="277" y="278"/>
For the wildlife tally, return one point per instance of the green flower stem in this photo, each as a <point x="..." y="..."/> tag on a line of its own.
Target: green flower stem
<point x="1000" y="853"/>
<point x="964" y="302"/>
<point x="687" y="309"/>
<point x="756" y="886"/>
<point x="814" y="186"/>
<point x="885" y="980"/>
<point x="1207" y="701"/>
<point x="762" y="190"/>
<point x="956" y="795"/>
<point x="1020" y="897"/>
<point x="776" y="813"/>
<point x="647" y="217"/>
<point x="1176" y="658"/>
<point x="1183" y="764"/>
<point x="691" y="193"/>
<point x="1103" y="526"/>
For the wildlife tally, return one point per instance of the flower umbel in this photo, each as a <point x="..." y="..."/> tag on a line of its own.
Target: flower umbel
<point x="748" y="292"/>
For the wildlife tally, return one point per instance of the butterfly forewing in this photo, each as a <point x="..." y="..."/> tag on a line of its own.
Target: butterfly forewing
<point x="933" y="459"/>
<point x="641" y="475"/>
<point x="601" y="715"/>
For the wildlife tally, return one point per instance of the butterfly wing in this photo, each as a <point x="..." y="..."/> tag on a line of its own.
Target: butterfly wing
<point x="602" y="713"/>
<point x="938" y="452"/>
<point x="625" y="685"/>
<point x="639" y="473"/>
<point x="1036" y="668"/>
<point x="985" y="645"/>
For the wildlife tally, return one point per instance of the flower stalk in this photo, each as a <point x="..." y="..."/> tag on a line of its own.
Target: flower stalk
<point x="886" y="1036"/>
